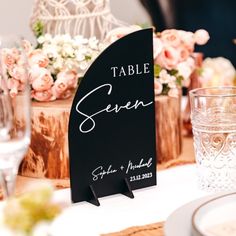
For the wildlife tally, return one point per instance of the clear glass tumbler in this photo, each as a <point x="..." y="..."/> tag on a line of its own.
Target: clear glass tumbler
<point x="213" y="117"/>
<point x="14" y="110"/>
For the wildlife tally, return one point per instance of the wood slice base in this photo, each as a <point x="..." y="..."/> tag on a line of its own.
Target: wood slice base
<point x="168" y="128"/>
<point x="48" y="155"/>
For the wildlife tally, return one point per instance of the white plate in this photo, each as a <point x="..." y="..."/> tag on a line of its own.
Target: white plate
<point x="179" y="222"/>
<point x="216" y="217"/>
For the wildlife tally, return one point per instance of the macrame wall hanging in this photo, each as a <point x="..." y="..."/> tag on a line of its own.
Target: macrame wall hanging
<point x="85" y="17"/>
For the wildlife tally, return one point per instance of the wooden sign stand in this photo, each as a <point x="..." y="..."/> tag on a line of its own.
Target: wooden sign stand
<point x="127" y="191"/>
<point x="94" y="199"/>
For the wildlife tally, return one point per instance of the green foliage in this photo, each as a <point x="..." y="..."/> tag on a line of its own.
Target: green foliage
<point x="88" y="58"/>
<point x="199" y="71"/>
<point x="38" y="28"/>
<point x="173" y="72"/>
<point x="145" y="25"/>
<point x="157" y="70"/>
<point x="179" y="80"/>
<point x="165" y="89"/>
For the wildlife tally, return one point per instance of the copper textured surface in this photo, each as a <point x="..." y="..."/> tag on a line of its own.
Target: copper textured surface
<point x="155" y="229"/>
<point x="48" y="155"/>
<point x="168" y="128"/>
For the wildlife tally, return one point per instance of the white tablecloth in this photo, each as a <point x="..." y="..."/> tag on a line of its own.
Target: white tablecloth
<point x="175" y="187"/>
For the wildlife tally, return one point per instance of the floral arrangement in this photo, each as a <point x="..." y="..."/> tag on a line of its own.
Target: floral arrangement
<point x="217" y="71"/>
<point x="55" y="65"/>
<point x="174" y="59"/>
<point x="173" y="56"/>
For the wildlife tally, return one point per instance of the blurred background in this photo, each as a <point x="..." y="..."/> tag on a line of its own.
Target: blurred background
<point x="18" y="21"/>
<point x="216" y="16"/>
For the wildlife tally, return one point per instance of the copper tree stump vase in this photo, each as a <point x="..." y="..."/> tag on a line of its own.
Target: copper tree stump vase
<point x="48" y="155"/>
<point x="168" y="128"/>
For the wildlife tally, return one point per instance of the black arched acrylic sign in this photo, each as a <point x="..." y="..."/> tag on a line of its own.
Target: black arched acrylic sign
<point x="112" y="122"/>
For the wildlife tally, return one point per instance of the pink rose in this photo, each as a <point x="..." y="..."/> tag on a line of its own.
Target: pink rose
<point x="168" y="58"/>
<point x="157" y="87"/>
<point x="70" y="77"/>
<point x="15" y="53"/>
<point x="120" y="32"/>
<point x="184" y="52"/>
<point x="157" y="46"/>
<point x="13" y="92"/>
<point x="187" y="40"/>
<point x="65" y="83"/>
<point x="22" y="61"/>
<point x="201" y="37"/>
<point x="43" y="81"/>
<point x="8" y="57"/>
<point x="43" y="96"/>
<point x="13" y="86"/>
<point x="170" y="37"/>
<point x="59" y="88"/>
<point x="18" y="73"/>
<point x="27" y="46"/>
<point x="34" y="73"/>
<point x="37" y="57"/>
<point x="66" y="94"/>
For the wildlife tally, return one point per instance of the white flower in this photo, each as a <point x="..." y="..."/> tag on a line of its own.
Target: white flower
<point x="206" y="75"/>
<point x="58" y="63"/>
<point x="166" y="78"/>
<point x="81" y="53"/>
<point x="70" y="63"/>
<point x="67" y="50"/>
<point x="217" y="71"/>
<point x="201" y="37"/>
<point x="80" y="40"/>
<point x="79" y="56"/>
<point x="172" y="84"/>
<point x="184" y="70"/>
<point x="41" y="39"/>
<point x="50" y="50"/>
<point x="66" y="38"/>
<point x="83" y="65"/>
<point x="57" y="39"/>
<point x="47" y="37"/>
<point x="102" y="46"/>
<point x="157" y="86"/>
<point x="94" y="54"/>
<point x="93" y="43"/>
